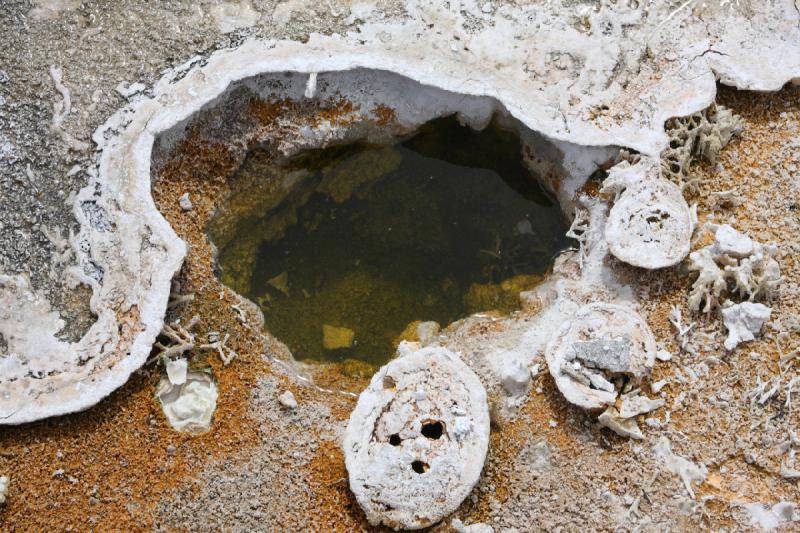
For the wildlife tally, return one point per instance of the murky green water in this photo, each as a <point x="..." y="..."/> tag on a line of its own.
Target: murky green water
<point x="370" y="239"/>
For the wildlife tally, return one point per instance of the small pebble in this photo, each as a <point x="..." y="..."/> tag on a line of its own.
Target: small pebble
<point x="185" y="203"/>
<point x="171" y="450"/>
<point x="287" y="400"/>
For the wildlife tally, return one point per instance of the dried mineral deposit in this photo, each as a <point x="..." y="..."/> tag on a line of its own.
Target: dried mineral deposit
<point x="417" y="439"/>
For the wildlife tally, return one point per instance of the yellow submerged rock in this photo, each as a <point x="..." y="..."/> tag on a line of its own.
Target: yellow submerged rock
<point x="336" y="338"/>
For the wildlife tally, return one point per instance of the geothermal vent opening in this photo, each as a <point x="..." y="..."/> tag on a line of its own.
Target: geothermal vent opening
<point x="361" y="208"/>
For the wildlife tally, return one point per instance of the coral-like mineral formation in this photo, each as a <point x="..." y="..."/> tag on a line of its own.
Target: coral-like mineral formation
<point x="733" y="266"/>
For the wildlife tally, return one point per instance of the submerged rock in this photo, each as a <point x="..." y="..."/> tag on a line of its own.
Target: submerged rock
<point x="336" y="338"/>
<point x="417" y="439"/>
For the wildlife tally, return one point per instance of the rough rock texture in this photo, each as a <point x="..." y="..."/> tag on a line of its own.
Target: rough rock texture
<point x="733" y="413"/>
<point x="733" y="266"/>
<point x="744" y="322"/>
<point x="650" y="224"/>
<point x="417" y="439"/>
<point x="600" y="343"/>
<point x="701" y="134"/>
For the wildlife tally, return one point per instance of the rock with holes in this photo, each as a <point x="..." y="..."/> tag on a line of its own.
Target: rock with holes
<point x="417" y="439"/>
<point x="604" y="349"/>
<point x="650" y="224"/>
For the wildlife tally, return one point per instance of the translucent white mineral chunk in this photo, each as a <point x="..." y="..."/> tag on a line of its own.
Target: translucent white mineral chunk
<point x="176" y="371"/>
<point x="190" y="406"/>
<point x="288" y="400"/>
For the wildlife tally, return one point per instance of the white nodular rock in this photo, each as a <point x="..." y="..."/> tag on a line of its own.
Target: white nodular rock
<point x="733" y="263"/>
<point x="417" y="439"/>
<point x="650" y="225"/>
<point x="288" y="400"/>
<point x="189" y="407"/>
<point x="744" y="322"/>
<point x="599" y="344"/>
<point x="515" y="377"/>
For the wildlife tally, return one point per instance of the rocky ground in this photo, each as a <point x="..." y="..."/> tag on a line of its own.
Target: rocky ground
<point x="268" y="467"/>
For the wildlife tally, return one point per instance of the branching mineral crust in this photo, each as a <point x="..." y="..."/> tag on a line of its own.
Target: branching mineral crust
<point x="417" y="439"/>
<point x="733" y="266"/>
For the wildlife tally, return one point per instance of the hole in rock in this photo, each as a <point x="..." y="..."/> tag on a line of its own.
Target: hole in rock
<point x="419" y="467"/>
<point x="371" y="240"/>
<point x="433" y="430"/>
<point x="395" y="440"/>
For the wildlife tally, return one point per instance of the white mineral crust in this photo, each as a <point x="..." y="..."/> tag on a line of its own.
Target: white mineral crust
<point x="412" y="461"/>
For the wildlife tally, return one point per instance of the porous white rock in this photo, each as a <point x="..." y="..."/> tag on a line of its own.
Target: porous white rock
<point x="603" y="339"/>
<point x="411" y="458"/>
<point x="701" y="134"/>
<point x="733" y="264"/>
<point x="189" y="407"/>
<point x="650" y="225"/>
<point x="744" y="322"/>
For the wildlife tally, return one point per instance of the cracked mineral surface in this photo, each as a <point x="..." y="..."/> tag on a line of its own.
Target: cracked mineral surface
<point x="96" y="218"/>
